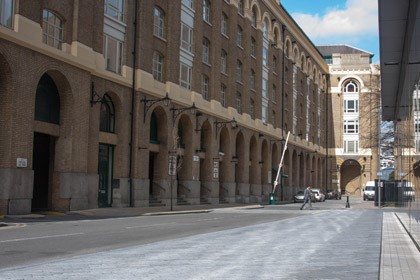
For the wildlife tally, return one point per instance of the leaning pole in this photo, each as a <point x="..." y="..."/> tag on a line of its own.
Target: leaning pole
<point x="276" y="182"/>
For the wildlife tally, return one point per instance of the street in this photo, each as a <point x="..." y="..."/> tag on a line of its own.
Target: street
<point x="274" y="242"/>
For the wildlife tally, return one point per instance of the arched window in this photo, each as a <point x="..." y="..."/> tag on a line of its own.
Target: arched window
<point x="224" y="24"/>
<point x="52" y="29"/>
<point x="159" y="23"/>
<point x="47" y="101"/>
<point x="265" y="29"/>
<point x="241" y="7"/>
<point x="154" y="129"/>
<point x="107" y="115"/>
<point x="254" y="18"/>
<point x="351" y="87"/>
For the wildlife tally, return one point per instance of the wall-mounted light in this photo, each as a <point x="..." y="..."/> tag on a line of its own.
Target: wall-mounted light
<point x="235" y="159"/>
<point x="260" y="163"/>
<point x="218" y="124"/>
<point x="177" y="111"/>
<point x="94" y="97"/>
<point x="147" y="103"/>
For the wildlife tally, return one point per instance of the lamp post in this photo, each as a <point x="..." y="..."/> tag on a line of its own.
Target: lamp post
<point x="173" y="168"/>
<point x="221" y="124"/>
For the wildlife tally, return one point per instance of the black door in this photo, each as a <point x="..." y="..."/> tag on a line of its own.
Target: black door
<point x="42" y="156"/>
<point x="105" y="166"/>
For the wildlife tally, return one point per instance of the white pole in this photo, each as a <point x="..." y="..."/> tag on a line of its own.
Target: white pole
<point x="276" y="182"/>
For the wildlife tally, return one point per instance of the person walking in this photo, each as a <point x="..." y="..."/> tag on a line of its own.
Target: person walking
<point x="307" y="198"/>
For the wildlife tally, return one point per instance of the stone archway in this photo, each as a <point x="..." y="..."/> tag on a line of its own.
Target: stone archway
<point x="350" y="174"/>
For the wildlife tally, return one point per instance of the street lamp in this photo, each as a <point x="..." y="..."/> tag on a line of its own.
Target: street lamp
<point x="177" y="111"/>
<point x="147" y="103"/>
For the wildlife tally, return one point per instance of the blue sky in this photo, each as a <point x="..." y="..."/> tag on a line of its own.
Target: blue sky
<point x="330" y="22"/>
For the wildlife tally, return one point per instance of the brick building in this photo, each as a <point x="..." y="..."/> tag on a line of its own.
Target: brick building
<point x="355" y="111"/>
<point x="148" y="102"/>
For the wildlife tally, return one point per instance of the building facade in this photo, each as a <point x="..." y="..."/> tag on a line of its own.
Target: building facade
<point x="140" y="103"/>
<point x="355" y="112"/>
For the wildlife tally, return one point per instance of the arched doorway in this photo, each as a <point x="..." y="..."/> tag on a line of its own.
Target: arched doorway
<point x="47" y="109"/>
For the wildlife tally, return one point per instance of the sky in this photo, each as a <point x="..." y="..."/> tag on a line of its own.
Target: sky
<point x="331" y="22"/>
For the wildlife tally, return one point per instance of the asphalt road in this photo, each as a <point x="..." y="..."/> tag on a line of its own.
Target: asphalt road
<point x="276" y="242"/>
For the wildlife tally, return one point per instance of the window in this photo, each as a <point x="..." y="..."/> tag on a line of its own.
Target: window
<point x="205" y="87"/>
<point x="351" y="146"/>
<point x="186" y="37"/>
<point x="188" y="3"/>
<point x="351" y="87"/>
<point x="223" y="95"/>
<point x="52" y="29"/>
<point x="157" y="66"/>
<point x="351" y="106"/>
<point x="223" y="24"/>
<point x="6" y="13"/>
<point x="239" y="36"/>
<point x="185" y="75"/>
<point x="241" y="7"/>
<point x="47" y="101"/>
<point x="273" y="93"/>
<point x="107" y="115"/>
<point x="265" y="29"/>
<point x="264" y="88"/>
<point x="252" y="79"/>
<point x="253" y="46"/>
<point x="238" y="71"/>
<point x="223" y="62"/>
<point x="274" y="64"/>
<point x="252" y="108"/>
<point x="206" y="10"/>
<point x="351" y="126"/>
<point x="264" y="114"/>
<point x="264" y="56"/>
<point x="113" y="54"/>
<point x="417" y="125"/>
<point x="158" y="23"/>
<point x="238" y="102"/>
<point x="273" y="118"/>
<point x="254" y="18"/>
<point x="206" y="51"/>
<point x="115" y="9"/>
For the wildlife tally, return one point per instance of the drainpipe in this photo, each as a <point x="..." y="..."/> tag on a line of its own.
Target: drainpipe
<point x="133" y="95"/>
<point x="283" y="29"/>
<point x="327" y="76"/>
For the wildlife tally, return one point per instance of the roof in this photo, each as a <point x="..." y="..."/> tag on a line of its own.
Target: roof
<point x="341" y="49"/>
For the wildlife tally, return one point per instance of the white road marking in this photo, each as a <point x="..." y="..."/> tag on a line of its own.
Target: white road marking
<point x="41" y="237"/>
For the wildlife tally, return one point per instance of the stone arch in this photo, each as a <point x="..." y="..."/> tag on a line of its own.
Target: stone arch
<point x="295" y="57"/>
<point x="350" y="177"/>
<point x="288" y="47"/>
<point x="255" y="8"/>
<point x="309" y="68"/>
<point x="276" y="35"/>
<point x="303" y="62"/>
<point x="265" y="163"/>
<point x="254" y="158"/>
<point x="242" y="168"/>
<point x="348" y="78"/>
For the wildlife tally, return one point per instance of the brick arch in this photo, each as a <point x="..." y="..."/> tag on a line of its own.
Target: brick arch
<point x="6" y="99"/>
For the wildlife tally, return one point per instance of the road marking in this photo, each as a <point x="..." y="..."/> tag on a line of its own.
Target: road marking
<point x="153" y="225"/>
<point x="41" y="237"/>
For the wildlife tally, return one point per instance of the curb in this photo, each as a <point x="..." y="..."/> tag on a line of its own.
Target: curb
<point x="176" y="212"/>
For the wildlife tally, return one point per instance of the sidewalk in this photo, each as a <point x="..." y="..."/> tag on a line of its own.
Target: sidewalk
<point x="400" y="258"/>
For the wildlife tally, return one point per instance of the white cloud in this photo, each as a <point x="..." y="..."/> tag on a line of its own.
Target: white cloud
<point x="358" y="18"/>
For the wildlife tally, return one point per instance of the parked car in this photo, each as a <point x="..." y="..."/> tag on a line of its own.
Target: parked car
<point x="409" y="193"/>
<point x="333" y="194"/>
<point x="299" y="196"/>
<point x="318" y="195"/>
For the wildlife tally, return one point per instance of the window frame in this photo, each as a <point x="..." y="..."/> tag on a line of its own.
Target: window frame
<point x="186" y="37"/>
<point x="57" y="26"/>
<point x="157" y="67"/>
<point x="158" y="22"/>
<point x="206" y="51"/>
<point x="7" y="13"/>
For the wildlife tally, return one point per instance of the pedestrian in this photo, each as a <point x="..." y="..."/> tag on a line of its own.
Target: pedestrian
<point x="307" y="198"/>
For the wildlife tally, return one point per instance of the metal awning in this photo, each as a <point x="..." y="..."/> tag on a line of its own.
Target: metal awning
<point x="399" y="39"/>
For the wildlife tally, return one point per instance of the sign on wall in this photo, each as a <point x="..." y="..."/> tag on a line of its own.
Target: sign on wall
<point x="215" y="169"/>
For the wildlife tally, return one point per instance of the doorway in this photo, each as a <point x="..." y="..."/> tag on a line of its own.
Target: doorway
<point x="43" y="161"/>
<point x="105" y="172"/>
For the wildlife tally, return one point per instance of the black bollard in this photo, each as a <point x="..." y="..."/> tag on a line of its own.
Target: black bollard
<point x="347" y="203"/>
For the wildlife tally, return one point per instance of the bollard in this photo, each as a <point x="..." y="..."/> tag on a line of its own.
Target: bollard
<point x="271" y="199"/>
<point x="347" y="203"/>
